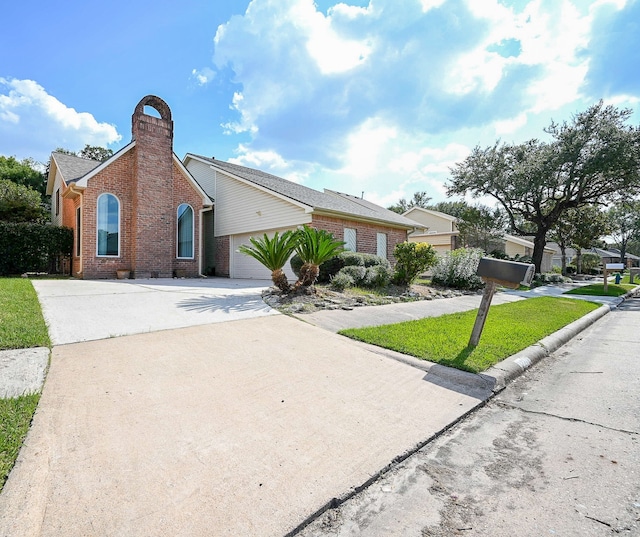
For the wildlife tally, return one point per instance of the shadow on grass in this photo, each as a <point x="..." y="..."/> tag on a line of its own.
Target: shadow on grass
<point x="459" y="362"/>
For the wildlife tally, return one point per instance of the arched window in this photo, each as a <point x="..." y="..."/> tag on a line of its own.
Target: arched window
<point x="185" y="231"/>
<point x="108" y="227"/>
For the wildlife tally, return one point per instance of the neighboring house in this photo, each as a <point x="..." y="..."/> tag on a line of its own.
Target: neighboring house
<point x="249" y="203"/>
<point x="438" y="229"/>
<point x="441" y="231"/>
<point x="632" y="259"/>
<point x="140" y="210"/>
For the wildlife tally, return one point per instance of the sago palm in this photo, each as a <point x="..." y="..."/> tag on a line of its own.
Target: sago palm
<point x="273" y="253"/>
<point x="314" y="246"/>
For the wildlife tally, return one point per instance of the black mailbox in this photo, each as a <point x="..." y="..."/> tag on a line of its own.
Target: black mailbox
<point x="506" y="273"/>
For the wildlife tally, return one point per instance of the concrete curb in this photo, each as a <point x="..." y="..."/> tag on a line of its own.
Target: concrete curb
<point x="22" y="371"/>
<point x="512" y="367"/>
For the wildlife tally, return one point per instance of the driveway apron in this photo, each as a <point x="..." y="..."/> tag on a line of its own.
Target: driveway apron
<point x="230" y="428"/>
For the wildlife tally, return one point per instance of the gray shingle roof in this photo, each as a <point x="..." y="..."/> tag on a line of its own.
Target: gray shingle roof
<point x="73" y="168"/>
<point x="323" y="201"/>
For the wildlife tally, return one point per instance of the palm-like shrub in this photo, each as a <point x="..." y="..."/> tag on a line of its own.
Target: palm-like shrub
<point x="273" y="253"/>
<point x="314" y="246"/>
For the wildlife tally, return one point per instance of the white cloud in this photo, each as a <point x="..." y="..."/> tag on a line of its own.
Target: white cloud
<point x="387" y="97"/>
<point x="30" y="117"/>
<point x="203" y="76"/>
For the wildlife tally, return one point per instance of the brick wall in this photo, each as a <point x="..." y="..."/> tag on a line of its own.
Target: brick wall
<point x="366" y="233"/>
<point x="223" y="255"/>
<point x="149" y="186"/>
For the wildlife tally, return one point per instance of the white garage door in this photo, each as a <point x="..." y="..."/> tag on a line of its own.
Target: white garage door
<point x="245" y="266"/>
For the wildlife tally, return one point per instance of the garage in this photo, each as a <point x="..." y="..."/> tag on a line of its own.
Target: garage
<point x="246" y="267"/>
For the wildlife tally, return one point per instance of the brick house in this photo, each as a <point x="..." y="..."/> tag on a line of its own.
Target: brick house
<point x="250" y="202"/>
<point x="146" y="212"/>
<point x="140" y="210"/>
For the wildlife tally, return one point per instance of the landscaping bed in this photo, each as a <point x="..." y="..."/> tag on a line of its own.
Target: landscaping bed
<point x="320" y="297"/>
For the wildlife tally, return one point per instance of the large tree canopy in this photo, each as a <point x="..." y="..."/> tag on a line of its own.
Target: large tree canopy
<point x="624" y="221"/>
<point x="595" y="156"/>
<point x="24" y="173"/>
<point x="420" y="199"/>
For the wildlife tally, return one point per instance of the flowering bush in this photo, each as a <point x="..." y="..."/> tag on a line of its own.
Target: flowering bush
<point x="412" y="259"/>
<point x="458" y="268"/>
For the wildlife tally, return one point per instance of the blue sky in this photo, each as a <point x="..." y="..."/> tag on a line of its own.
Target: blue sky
<point x="379" y="96"/>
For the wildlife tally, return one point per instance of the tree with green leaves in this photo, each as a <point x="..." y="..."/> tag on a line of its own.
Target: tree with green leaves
<point x="579" y="229"/>
<point x="624" y="222"/>
<point x="481" y="227"/>
<point x="95" y="152"/>
<point x="452" y="208"/>
<point x="591" y="158"/>
<point x="273" y="253"/>
<point x="314" y="246"/>
<point x="25" y="172"/>
<point x="19" y="203"/>
<point x="420" y="199"/>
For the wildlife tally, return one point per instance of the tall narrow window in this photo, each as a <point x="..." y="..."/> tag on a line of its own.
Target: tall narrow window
<point x="185" y="231"/>
<point x="78" y="231"/>
<point x="350" y="239"/>
<point x="381" y="243"/>
<point x="57" y="202"/>
<point x="108" y="228"/>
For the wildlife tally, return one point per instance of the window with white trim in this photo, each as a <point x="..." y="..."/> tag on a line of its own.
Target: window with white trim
<point x="185" y="232"/>
<point x="350" y="239"/>
<point x="108" y="228"/>
<point x="381" y="241"/>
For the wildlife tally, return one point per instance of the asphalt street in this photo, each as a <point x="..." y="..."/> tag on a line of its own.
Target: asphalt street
<point x="556" y="453"/>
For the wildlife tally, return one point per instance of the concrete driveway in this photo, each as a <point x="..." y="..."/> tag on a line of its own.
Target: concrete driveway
<point x="84" y="310"/>
<point x="218" y="428"/>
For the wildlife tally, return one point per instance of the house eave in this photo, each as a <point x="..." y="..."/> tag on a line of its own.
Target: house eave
<point x="356" y="218"/>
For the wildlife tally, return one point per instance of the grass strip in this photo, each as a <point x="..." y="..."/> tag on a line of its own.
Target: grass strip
<point x="15" y="419"/>
<point x="21" y="323"/>
<point x="597" y="289"/>
<point x="509" y="328"/>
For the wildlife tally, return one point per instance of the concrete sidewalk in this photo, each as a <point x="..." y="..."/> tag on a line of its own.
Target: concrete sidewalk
<point x="237" y="428"/>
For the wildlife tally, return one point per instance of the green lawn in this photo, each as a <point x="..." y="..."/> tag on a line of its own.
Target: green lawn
<point x="21" y="326"/>
<point x="16" y="417"/>
<point x="21" y="322"/>
<point x="597" y="289"/>
<point x="509" y="328"/>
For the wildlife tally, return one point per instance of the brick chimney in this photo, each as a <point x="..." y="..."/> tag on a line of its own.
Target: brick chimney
<point x="152" y="219"/>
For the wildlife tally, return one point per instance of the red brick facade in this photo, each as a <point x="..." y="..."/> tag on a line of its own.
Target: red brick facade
<point x="366" y="233"/>
<point x="223" y="255"/>
<point x="149" y="186"/>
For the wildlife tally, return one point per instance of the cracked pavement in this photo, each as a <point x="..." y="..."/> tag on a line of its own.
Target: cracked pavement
<point x="556" y="453"/>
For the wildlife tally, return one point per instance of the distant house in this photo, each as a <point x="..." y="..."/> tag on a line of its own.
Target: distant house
<point x="249" y="203"/>
<point x="140" y="210"/>
<point x="438" y="229"/>
<point x="441" y="231"/>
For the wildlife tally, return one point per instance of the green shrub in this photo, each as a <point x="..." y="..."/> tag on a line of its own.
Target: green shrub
<point x="458" y="268"/>
<point x="296" y="264"/>
<point x="412" y="259"/>
<point x="31" y="247"/>
<point x="356" y="272"/>
<point x="331" y="267"/>
<point x="342" y="281"/>
<point x="377" y="276"/>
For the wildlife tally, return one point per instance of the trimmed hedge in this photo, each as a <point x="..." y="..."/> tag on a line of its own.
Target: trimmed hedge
<point x="28" y="247"/>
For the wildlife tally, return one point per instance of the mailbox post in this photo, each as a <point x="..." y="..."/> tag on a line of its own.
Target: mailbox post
<point x="605" y="274"/>
<point x="497" y="272"/>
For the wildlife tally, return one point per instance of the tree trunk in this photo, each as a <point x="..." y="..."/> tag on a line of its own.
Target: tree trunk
<point x="563" y="256"/>
<point x="279" y="279"/>
<point x="579" y="260"/>
<point x="539" y="242"/>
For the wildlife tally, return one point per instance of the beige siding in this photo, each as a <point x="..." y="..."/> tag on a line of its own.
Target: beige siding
<point x="432" y="221"/>
<point x="512" y="249"/>
<point x="241" y="208"/>
<point x="246" y="267"/>
<point x="56" y="220"/>
<point x="204" y="175"/>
